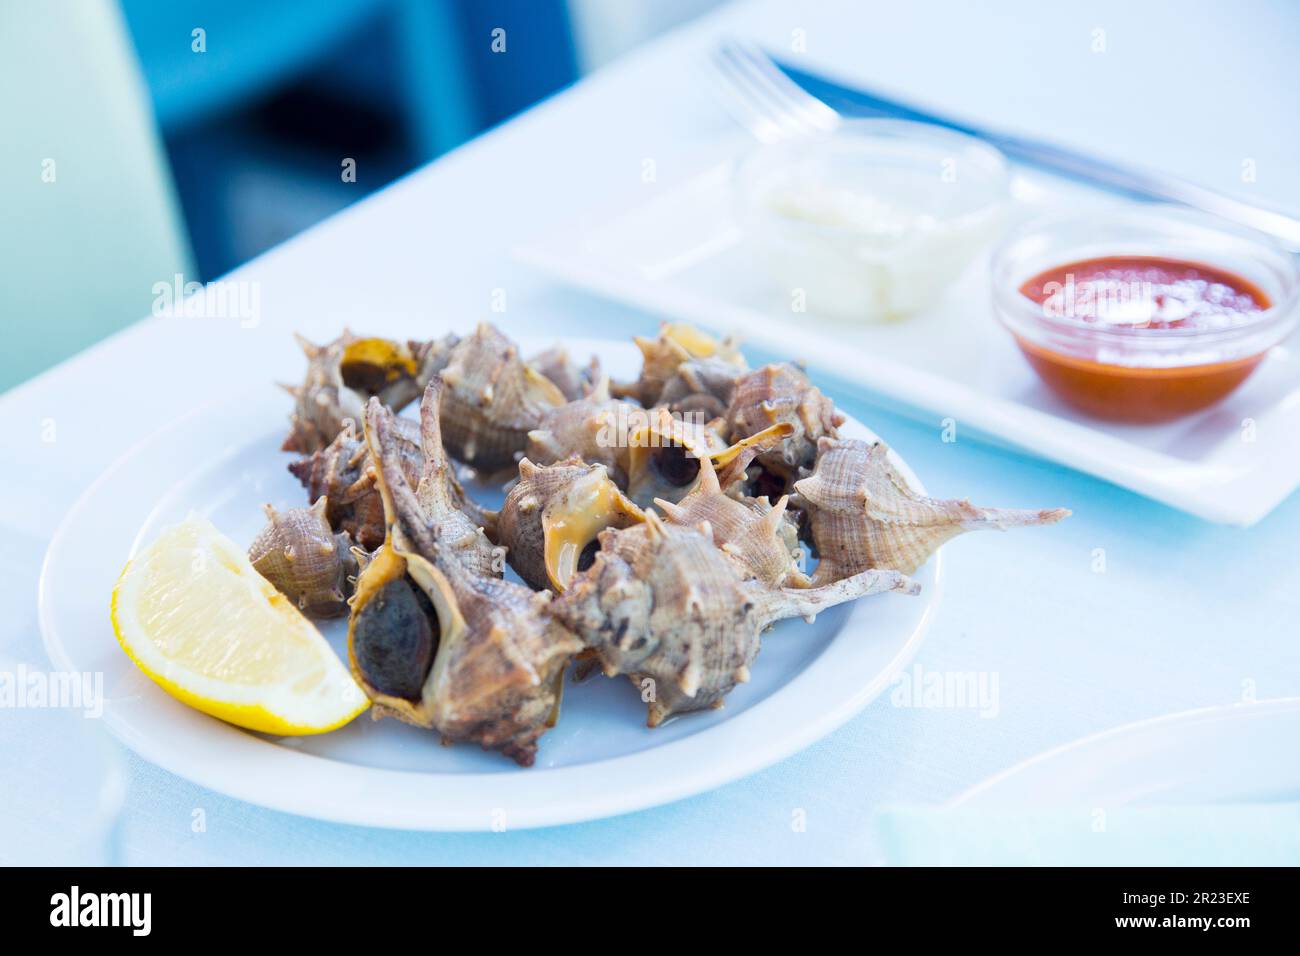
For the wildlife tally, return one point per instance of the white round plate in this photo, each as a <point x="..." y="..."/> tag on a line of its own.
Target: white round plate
<point x="1238" y="753"/>
<point x="223" y="461"/>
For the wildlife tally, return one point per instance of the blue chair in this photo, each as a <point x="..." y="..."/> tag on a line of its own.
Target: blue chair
<point x="90" y="220"/>
<point x="249" y="47"/>
<point x="90" y="215"/>
<point x="445" y="77"/>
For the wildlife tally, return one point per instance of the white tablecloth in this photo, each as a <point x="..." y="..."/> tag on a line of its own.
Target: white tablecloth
<point x="1185" y="614"/>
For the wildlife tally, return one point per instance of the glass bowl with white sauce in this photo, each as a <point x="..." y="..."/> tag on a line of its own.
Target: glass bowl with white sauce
<point x="875" y="220"/>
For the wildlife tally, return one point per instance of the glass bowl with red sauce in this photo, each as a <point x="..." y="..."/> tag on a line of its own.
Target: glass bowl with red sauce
<point x="1144" y="315"/>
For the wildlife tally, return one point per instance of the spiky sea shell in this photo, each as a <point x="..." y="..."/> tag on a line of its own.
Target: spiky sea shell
<point x="751" y="531"/>
<point x="592" y="428"/>
<point x="782" y="393"/>
<point x="863" y="514"/>
<point x="476" y="658"/>
<point x="648" y="452"/>
<point x="343" y="374"/>
<point x="439" y="496"/>
<point x="663" y="455"/>
<point x="663" y="355"/>
<point x="305" y="560"/>
<point x="573" y="380"/>
<point x="493" y="399"/>
<point x="552" y="516"/>
<point x="342" y="474"/>
<point x="702" y="387"/>
<point x="665" y="606"/>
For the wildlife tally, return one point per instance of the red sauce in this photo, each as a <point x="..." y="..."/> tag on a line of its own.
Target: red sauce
<point x="1147" y="293"/>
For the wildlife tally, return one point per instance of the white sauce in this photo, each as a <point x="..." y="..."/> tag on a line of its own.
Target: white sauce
<point x="881" y="247"/>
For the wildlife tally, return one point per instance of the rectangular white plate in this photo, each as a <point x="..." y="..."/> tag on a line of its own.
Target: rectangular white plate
<point x="679" y="252"/>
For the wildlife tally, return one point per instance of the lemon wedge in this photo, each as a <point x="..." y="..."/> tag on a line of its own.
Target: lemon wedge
<point x="195" y="616"/>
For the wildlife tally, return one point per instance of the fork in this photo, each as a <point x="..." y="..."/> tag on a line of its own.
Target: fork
<point x="765" y="100"/>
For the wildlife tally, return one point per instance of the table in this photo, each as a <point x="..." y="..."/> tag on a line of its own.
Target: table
<point x="1184" y="614"/>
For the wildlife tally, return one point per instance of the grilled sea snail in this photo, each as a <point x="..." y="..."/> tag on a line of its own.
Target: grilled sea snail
<point x="864" y="515"/>
<point x="662" y="356"/>
<point x="299" y="553"/>
<point x="782" y="393"/>
<point x="342" y="473"/>
<point x="701" y="387"/>
<point x="751" y="531"/>
<point x="663" y="455"/>
<point x="649" y="452"/>
<point x="493" y="399"/>
<point x="551" y="518"/>
<point x="573" y="380"/>
<point x="665" y="606"/>
<point x="592" y="428"/>
<point x="343" y="374"/>
<point x="475" y="658"/>
<point x="438" y="496"/>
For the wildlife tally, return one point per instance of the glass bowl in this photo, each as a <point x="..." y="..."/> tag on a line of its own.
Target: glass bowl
<point x="874" y="220"/>
<point x="1121" y="366"/>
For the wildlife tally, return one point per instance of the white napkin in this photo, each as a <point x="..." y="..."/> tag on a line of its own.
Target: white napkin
<point x="1257" y="834"/>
